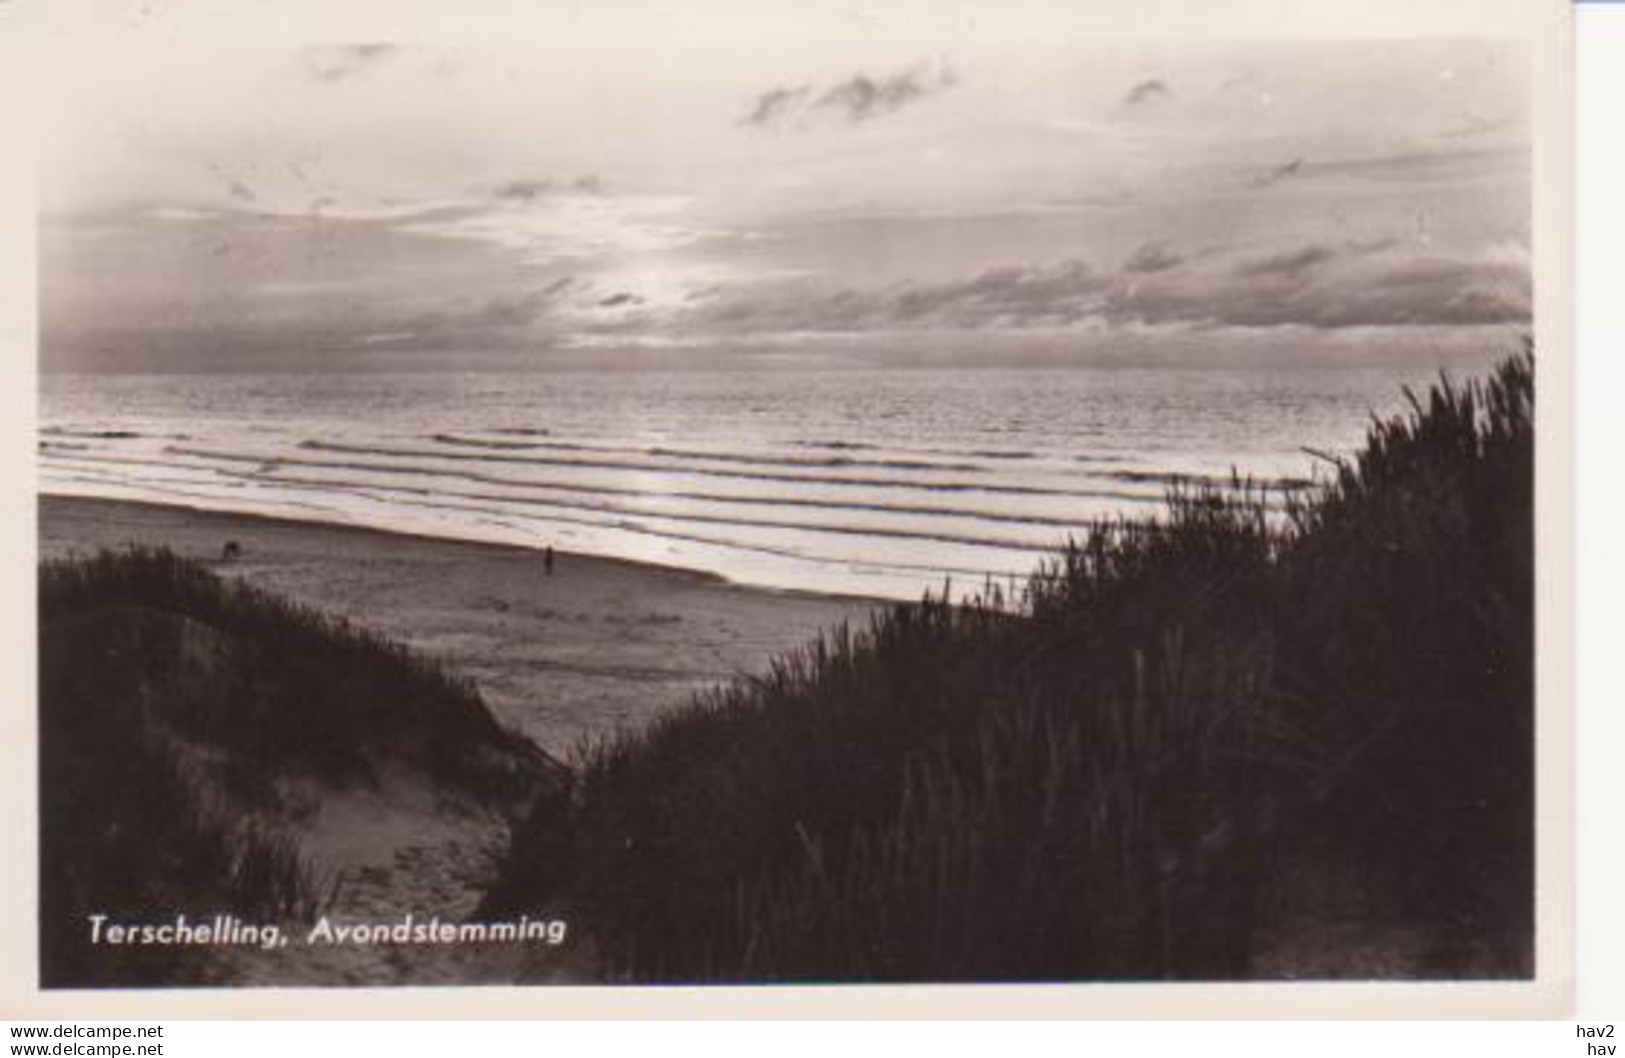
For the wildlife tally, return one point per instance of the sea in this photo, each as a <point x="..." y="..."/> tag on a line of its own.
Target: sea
<point x="883" y="483"/>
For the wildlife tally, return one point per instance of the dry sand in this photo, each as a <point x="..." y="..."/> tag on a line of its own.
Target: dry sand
<point x="596" y="645"/>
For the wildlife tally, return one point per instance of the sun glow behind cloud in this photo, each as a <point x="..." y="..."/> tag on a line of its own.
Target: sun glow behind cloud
<point x="379" y="196"/>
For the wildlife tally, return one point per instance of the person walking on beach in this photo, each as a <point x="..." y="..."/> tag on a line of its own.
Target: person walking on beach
<point x="547" y="560"/>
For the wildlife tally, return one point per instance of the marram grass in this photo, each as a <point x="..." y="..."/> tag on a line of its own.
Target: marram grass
<point x="1135" y="767"/>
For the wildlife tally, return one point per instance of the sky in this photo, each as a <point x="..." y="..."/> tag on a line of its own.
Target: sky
<point x="826" y="194"/>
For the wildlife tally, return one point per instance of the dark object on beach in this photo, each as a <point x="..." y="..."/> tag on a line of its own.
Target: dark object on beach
<point x="232" y="550"/>
<point x="547" y="561"/>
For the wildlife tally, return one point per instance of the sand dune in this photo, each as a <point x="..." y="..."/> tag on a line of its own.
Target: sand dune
<point x="596" y="645"/>
<point x="559" y="657"/>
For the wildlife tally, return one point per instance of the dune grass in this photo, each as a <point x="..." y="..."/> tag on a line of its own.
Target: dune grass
<point x="184" y="720"/>
<point x="302" y="691"/>
<point x="1135" y="769"/>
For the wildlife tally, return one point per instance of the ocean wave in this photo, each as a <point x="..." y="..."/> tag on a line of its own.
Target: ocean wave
<point x="873" y="481"/>
<point x="662" y="452"/>
<point x="271" y="466"/>
<point x="475" y="442"/>
<point x="1223" y="482"/>
<point x="190" y="493"/>
<point x="629" y="510"/>
<point x="91" y="435"/>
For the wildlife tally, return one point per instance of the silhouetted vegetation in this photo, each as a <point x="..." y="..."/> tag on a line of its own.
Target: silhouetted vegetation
<point x="302" y="692"/>
<point x="1187" y="736"/>
<point x="180" y="717"/>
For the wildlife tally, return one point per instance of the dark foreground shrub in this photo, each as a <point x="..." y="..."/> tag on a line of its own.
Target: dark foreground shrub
<point x="1410" y="592"/>
<point x="178" y="711"/>
<point x="1124" y="776"/>
<point x="278" y="686"/>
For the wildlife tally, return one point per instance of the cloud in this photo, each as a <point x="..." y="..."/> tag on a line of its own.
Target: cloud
<point x="517" y="310"/>
<point x="1332" y="288"/>
<point x="566" y="223"/>
<point x="1275" y="174"/>
<point x="1290" y="263"/>
<point x="531" y="189"/>
<point x="860" y="98"/>
<point x="1324" y="287"/>
<point x="383" y="286"/>
<point x="332" y="64"/>
<point x="1293" y="263"/>
<point x="523" y="190"/>
<point x="1145" y="93"/>
<point x="234" y="186"/>
<point x="775" y="104"/>
<point x="1013" y="296"/>
<point x="1152" y="257"/>
<point x="1052" y="293"/>
<point x="1471" y="125"/>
